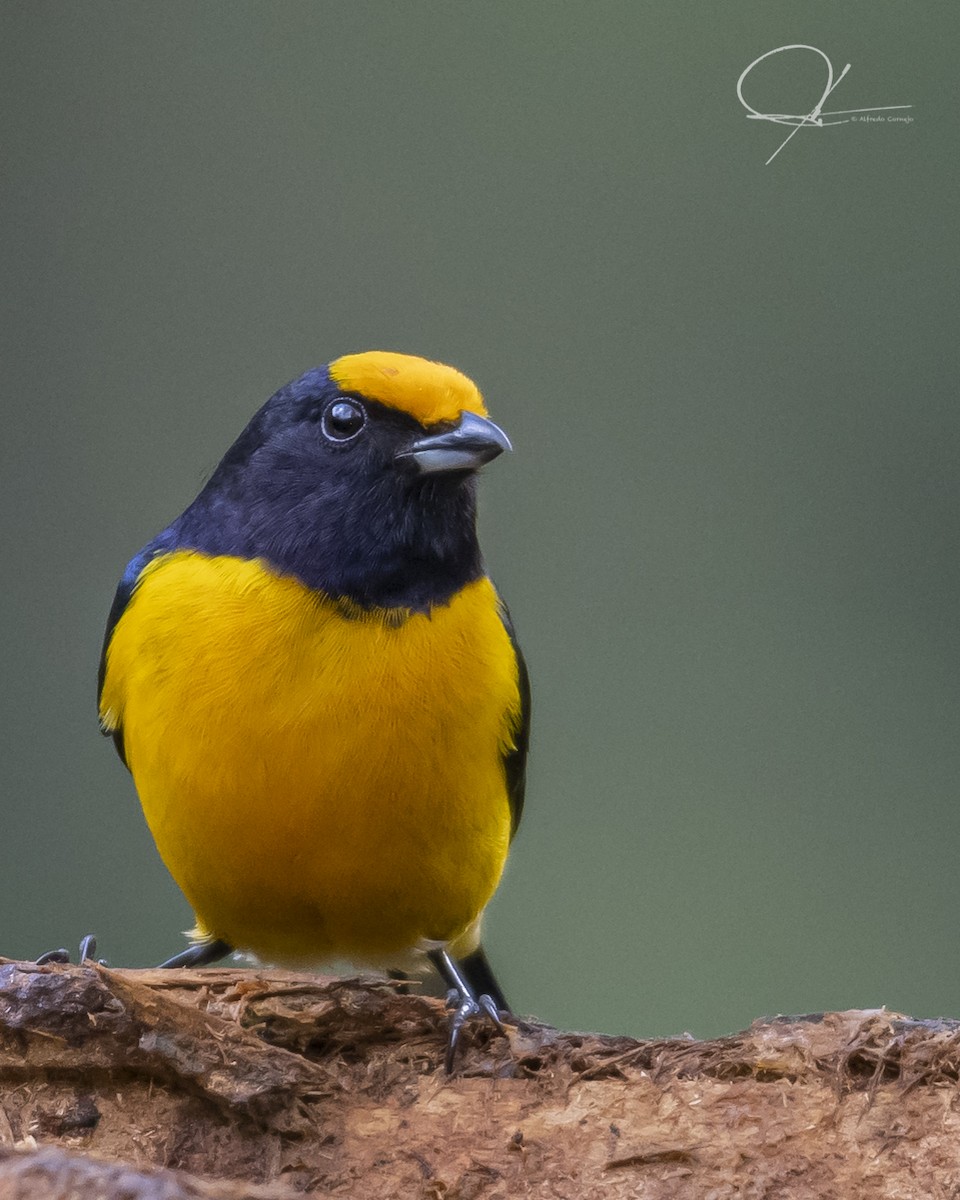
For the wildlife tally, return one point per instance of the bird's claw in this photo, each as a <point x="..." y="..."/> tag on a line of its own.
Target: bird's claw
<point x="488" y="1005"/>
<point x="53" y="956"/>
<point x="465" y="1007"/>
<point x="88" y="947"/>
<point x="86" y="953"/>
<point x="461" y="1001"/>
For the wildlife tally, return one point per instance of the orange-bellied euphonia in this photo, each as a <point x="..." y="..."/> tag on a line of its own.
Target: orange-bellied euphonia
<point x="318" y="689"/>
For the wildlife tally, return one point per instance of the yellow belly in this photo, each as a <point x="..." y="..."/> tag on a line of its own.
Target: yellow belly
<point x="319" y="783"/>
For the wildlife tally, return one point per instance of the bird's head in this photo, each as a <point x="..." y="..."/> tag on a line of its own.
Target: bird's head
<point x="358" y="479"/>
<point x="443" y="427"/>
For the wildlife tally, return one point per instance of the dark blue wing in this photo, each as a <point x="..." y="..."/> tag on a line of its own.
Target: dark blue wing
<point x="515" y="762"/>
<point x="121" y="599"/>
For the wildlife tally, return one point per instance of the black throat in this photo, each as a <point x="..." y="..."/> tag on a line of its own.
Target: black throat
<point x="393" y="542"/>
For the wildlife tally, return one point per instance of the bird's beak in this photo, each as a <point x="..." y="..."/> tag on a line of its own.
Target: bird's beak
<point x="472" y="442"/>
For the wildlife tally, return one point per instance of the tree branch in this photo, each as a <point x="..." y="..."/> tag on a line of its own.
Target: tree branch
<point x="245" y="1083"/>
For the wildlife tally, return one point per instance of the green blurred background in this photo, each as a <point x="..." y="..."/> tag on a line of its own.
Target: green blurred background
<point x="728" y="534"/>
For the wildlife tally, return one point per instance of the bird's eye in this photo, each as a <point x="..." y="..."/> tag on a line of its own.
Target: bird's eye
<point x="343" y="420"/>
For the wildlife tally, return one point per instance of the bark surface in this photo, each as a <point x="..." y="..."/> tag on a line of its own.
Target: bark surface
<point x="162" y="1085"/>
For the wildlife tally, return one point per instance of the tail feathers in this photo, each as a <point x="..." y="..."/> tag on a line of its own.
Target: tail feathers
<point x="479" y="974"/>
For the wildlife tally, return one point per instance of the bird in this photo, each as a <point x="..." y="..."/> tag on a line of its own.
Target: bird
<point x="318" y="690"/>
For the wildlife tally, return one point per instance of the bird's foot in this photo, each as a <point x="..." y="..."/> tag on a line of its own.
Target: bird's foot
<point x="462" y="1003"/>
<point x="463" y="1008"/>
<point x="86" y="953"/>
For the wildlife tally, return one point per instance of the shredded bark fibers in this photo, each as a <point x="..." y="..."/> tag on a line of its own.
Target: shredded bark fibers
<point x="162" y="1085"/>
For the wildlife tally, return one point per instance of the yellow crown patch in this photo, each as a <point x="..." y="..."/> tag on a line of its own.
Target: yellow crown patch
<point x="428" y="391"/>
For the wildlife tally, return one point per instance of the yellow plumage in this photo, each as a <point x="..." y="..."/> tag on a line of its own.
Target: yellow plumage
<point x="321" y="780"/>
<point x="429" y="391"/>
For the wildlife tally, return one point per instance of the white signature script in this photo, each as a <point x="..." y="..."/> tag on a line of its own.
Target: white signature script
<point x="814" y="118"/>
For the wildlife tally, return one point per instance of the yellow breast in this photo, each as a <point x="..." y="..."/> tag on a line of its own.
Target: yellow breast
<point x="321" y="782"/>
